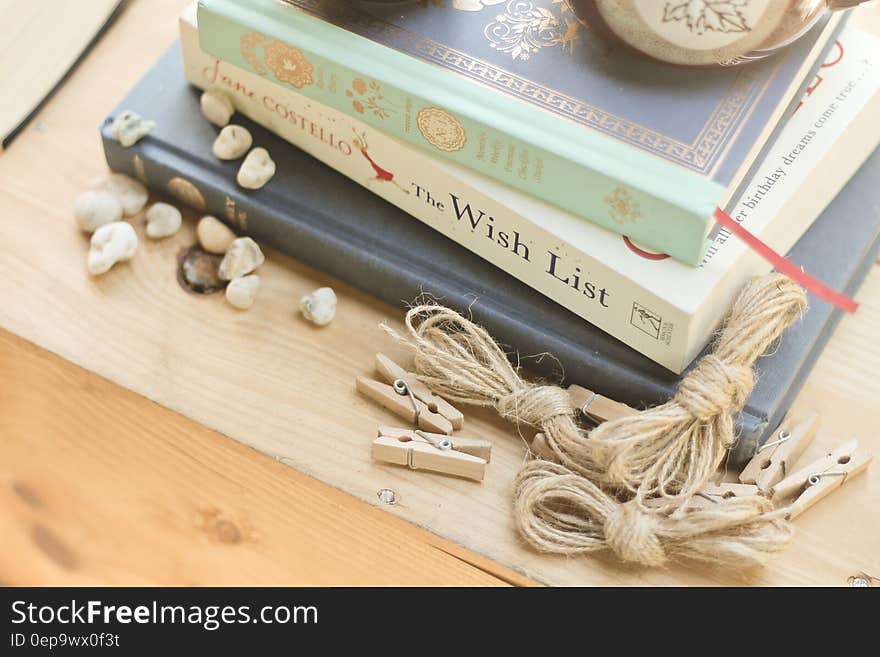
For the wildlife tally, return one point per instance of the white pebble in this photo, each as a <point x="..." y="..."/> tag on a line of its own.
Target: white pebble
<point x="217" y="107"/>
<point x="111" y="243"/>
<point x="232" y="142"/>
<point x="241" y="291"/>
<point x="131" y="193"/>
<point x="256" y="170"/>
<point x="319" y="307"/>
<point x="242" y="257"/>
<point x="163" y="220"/>
<point x="129" y="127"/>
<point x="93" y="209"/>
<point x="214" y="235"/>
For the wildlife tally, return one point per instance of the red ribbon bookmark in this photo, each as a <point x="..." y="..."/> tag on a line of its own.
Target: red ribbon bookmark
<point x="785" y="266"/>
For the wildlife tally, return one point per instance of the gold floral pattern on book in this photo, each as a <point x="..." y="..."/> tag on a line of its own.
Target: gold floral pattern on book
<point x="702" y="154"/>
<point x="524" y="29"/>
<point x="288" y="64"/>
<point x="367" y="97"/>
<point x="440" y="129"/>
<point x="622" y="207"/>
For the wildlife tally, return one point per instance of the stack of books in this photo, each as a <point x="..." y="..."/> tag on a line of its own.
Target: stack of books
<point x="560" y="188"/>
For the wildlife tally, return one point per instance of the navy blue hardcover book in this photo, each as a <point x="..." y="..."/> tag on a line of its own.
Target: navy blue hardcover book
<point x="322" y="218"/>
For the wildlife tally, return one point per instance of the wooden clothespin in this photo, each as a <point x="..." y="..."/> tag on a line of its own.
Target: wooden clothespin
<point x="776" y="458"/>
<point x="409" y="398"/>
<point x="813" y="482"/>
<point x="591" y="404"/>
<point x="715" y="493"/>
<point x="597" y="407"/>
<point x="419" y="450"/>
<point x="712" y="494"/>
<point x="391" y="371"/>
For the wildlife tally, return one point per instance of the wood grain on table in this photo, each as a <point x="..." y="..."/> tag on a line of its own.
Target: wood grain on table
<point x="99" y="484"/>
<point x="39" y="43"/>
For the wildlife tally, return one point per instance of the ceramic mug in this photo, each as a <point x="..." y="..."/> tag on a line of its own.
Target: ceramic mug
<point x="705" y="32"/>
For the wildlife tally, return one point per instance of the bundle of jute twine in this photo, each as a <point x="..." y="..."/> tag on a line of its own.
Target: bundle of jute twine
<point x="671" y="450"/>
<point x="625" y="486"/>
<point x="557" y="510"/>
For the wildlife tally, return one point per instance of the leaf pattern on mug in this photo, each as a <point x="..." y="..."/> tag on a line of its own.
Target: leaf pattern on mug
<point x="708" y="15"/>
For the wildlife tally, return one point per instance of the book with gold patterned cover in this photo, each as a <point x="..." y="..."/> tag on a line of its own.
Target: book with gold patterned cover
<point x="329" y="222"/>
<point x="662" y="308"/>
<point x="522" y="92"/>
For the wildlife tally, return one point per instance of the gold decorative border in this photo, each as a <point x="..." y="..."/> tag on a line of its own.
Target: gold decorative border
<point x="699" y="156"/>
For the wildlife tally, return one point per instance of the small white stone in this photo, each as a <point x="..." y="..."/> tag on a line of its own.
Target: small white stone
<point x="242" y="257"/>
<point x="131" y="193"/>
<point x="111" y="243"/>
<point x="256" y="170"/>
<point x="129" y="127"/>
<point x="93" y="209"/>
<point x="214" y="235"/>
<point x="232" y="142"/>
<point x="319" y="307"/>
<point x="241" y="291"/>
<point x="217" y="107"/>
<point x="163" y="220"/>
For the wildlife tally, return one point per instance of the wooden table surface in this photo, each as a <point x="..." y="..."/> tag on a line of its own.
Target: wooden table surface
<point x="112" y="393"/>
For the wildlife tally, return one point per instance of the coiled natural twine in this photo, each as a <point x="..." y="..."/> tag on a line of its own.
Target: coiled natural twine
<point x="460" y="361"/>
<point x="596" y="496"/>
<point x="559" y="511"/>
<point x="671" y="450"/>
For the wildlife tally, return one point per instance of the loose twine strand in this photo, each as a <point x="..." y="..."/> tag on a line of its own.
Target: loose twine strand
<point x="595" y="496"/>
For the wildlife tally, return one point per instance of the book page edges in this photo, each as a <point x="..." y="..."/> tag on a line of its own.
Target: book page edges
<point x="694" y="320"/>
<point x="825" y="181"/>
<point x="737" y="182"/>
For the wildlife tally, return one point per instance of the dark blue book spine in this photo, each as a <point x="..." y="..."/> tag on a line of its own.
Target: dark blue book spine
<point x="323" y="219"/>
<point x="360" y="260"/>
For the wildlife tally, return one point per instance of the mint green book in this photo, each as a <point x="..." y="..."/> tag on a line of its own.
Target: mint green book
<point x="525" y="94"/>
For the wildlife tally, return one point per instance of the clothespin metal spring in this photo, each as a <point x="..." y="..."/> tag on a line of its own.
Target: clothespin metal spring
<point x="440" y="443"/>
<point x="401" y="388"/>
<point x="784" y="436"/>
<point x="586" y="405"/>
